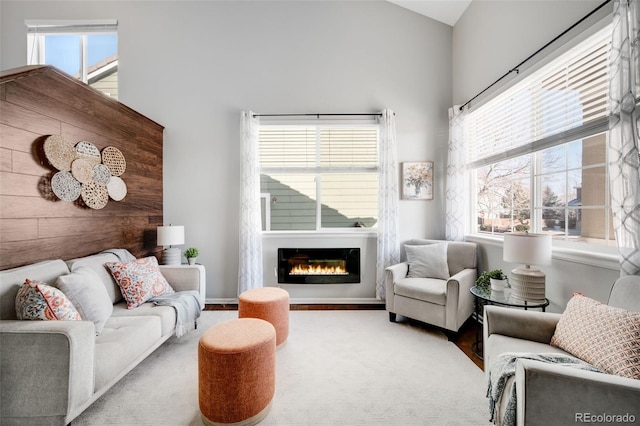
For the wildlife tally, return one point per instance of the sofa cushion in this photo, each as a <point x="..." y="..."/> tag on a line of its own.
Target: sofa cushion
<point x="167" y="314"/>
<point x="96" y="262"/>
<point x="39" y="301"/>
<point x="124" y="342"/>
<point x="85" y="290"/>
<point x="427" y="261"/>
<point x="602" y="335"/>
<point x="139" y="280"/>
<point x="430" y="290"/>
<point x="11" y="281"/>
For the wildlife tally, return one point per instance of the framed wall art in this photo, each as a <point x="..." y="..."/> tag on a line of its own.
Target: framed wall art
<point x="417" y="180"/>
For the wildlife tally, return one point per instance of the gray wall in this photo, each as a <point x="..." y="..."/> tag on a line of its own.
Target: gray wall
<point x="488" y="40"/>
<point x="193" y="66"/>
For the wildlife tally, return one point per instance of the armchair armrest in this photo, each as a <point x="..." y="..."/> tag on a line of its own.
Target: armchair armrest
<point x="393" y="274"/>
<point x="46" y="370"/>
<point x="528" y="325"/>
<point x="186" y="277"/>
<point x="551" y="394"/>
<point x="458" y="289"/>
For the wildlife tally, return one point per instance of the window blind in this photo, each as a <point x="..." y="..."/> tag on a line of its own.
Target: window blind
<point x="318" y="149"/>
<point x="65" y="26"/>
<point x="563" y="101"/>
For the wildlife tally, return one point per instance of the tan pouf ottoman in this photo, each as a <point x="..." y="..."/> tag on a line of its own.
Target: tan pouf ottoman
<point x="270" y="304"/>
<point x="237" y="372"/>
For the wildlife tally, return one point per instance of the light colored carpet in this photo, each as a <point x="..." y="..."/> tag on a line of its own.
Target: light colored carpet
<point x="336" y="368"/>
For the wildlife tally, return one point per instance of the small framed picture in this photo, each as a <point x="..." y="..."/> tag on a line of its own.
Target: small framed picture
<point x="417" y="180"/>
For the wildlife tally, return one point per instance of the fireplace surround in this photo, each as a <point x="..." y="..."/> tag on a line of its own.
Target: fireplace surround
<point x="318" y="265"/>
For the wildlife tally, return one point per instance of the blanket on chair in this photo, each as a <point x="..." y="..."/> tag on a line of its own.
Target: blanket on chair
<point x="187" y="306"/>
<point x="504" y="367"/>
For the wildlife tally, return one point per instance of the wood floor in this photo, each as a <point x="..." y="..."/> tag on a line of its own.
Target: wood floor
<point x="464" y="339"/>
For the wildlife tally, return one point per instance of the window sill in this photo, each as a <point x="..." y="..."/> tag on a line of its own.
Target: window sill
<point x="348" y="232"/>
<point x="586" y="254"/>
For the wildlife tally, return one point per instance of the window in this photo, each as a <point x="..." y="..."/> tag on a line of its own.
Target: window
<point x="318" y="177"/>
<point x="538" y="152"/>
<point x="87" y="51"/>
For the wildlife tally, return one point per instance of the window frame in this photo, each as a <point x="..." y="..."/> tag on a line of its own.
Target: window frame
<point x="317" y="171"/>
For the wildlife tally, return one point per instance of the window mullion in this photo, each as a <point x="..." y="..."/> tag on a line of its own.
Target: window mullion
<point x="83" y="58"/>
<point x="318" y="181"/>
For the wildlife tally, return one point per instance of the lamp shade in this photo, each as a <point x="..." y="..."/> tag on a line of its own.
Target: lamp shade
<point x="170" y="235"/>
<point x="527" y="249"/>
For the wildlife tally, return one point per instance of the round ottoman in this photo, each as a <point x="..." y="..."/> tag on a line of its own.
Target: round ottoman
<point x="237" y="372"/>
<point x="267" y="303"/>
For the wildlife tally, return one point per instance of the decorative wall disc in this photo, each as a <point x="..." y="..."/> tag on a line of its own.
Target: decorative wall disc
<point x="59" y="152"/>
<point x="88" y="151"/>
<point x="117" y="188"/>
<point x="82" y="170"/>
<point x="65" y="186"/>
<point x="112" y="157"/>
<point x="101" y="174"/>
<point x="95" y="195"/>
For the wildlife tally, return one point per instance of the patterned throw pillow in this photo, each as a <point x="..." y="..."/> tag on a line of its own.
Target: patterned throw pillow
<point x="602" y="335"/>
<point x="139" y="280"/>
<point x="39" y="301"/>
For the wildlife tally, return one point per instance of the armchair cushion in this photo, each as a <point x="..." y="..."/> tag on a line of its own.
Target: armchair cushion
<point x="602" y="335"/>
<point x="426" y="289"/>
<point x="427" y="261"/>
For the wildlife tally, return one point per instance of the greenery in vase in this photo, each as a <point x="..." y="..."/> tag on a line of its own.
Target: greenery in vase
<point x="484" y="280"/>
<point x="191" y="252"/>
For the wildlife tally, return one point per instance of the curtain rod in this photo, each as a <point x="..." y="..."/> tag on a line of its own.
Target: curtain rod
<point x="317" y="115"/>
<point x="517" y="71"/>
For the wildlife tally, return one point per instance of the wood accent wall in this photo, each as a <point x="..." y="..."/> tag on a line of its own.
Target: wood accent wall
<point x="35" y="225"/>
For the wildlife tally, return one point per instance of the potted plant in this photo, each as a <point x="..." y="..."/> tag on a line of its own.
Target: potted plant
<point x="483" y="282"/>
<point x="191" y="253"/>
<point x="498" y="280"/>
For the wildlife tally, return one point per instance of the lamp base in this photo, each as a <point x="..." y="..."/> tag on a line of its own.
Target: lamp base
<point x="171" y="256"/>
<point x="528" y="285"/>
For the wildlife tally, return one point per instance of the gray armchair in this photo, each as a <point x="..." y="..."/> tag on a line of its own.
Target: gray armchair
<point x="443" y="302"/>
<point x="552" y="394"/>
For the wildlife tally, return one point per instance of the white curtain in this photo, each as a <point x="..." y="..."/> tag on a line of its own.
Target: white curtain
<point x="250" y="262"/>
<point x="388" y="250"/>
<point x="457" y="206"/>
<point x="624" y="157"/>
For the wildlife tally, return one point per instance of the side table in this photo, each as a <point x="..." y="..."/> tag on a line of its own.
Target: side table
<point x="502" y="298"/>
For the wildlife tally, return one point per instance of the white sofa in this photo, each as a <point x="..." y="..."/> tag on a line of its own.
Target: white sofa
<point x="53" y="370"/>
<point x="553" y="394"/>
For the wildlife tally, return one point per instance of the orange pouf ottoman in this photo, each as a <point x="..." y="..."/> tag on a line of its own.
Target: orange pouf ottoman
<point x="237" y="372"/>
<point x="270" y="304"/>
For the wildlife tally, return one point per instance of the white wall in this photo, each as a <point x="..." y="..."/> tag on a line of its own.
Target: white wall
<point x="193" y="66"/>
<point x="488" y="40"/>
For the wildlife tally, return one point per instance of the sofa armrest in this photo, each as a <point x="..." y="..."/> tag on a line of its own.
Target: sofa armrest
<point x="46" y="370"/>
<point x="393" y="274"/>
<point x="528" y="325"/>
<point x="552" y="394"/>
<point x="186" y="277"/>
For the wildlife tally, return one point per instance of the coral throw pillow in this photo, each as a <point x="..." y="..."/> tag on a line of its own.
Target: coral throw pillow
<point x="602" y="335"/>
<point x="139" y="280"/>
<point x="39" y="301"/>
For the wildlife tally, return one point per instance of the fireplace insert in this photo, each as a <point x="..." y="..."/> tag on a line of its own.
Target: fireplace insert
<point x="319" y="265"/>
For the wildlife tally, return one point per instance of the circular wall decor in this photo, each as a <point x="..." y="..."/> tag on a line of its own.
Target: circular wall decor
<point x="112" y="158"/>
<point x="88" y="151"/>
<point x="65" y="186"/>
<point x="82" y="170"/>
<point x="116" y="188"/>
<point x="59" y="152"/>
<point x="95" y="195"/>
<point x="101" y="174"/>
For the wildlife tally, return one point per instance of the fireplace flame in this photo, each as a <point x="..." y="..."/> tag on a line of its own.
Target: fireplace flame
<point x="317" y="270"/>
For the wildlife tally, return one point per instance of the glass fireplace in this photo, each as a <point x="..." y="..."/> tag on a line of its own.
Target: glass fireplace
<point x="319" y="265"/>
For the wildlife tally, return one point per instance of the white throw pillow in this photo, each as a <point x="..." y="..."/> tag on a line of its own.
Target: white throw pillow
<point x="87" y="293"/>
<point x="428" y="261"/>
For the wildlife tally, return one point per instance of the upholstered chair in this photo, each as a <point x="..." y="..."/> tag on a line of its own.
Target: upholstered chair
<point x="432" y="283"/>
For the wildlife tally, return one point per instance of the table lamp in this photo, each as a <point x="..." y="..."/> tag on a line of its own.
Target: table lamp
<point x="527" y="283"/>
<point x="171" y="236"/>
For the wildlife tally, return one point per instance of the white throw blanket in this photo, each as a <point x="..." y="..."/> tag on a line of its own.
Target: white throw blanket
<point x="504" y="367"/>
<point x="187" y="306"/>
